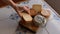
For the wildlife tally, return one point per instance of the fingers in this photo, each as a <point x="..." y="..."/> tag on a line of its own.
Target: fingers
<point x="27" y="9"/>
<point x="19" y="9"/>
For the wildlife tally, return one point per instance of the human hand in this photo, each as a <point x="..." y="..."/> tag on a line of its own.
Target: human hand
<point x="19" y="9"/>
<point x="27" y="9"/>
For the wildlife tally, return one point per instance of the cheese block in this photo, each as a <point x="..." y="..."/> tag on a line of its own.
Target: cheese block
<point x="37" y="7"/>
<point x="45" y="13"/>
<point x="32" y="12"/>
<point x="26" y="17"/>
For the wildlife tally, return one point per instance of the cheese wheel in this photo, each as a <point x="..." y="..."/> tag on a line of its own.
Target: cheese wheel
<point x="45" y="13"/>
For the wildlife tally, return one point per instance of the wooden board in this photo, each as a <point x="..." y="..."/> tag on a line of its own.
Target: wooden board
<point x="31" y="27"/>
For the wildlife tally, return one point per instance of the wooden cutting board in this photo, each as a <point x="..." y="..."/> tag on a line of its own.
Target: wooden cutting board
<point x="2" y="4"/>
<point x="31" y="27"/>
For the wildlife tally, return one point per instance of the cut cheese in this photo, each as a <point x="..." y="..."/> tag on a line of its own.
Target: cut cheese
<point x="26" y="17"/>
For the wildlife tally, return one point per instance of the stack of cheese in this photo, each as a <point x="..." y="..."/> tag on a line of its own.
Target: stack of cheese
<point x="38" y="9"/>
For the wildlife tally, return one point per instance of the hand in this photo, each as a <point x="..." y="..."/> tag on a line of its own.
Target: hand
<point x="19" y="9"/>
<point x="27" y="9"/>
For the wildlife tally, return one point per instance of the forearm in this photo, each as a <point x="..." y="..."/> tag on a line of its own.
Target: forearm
<point x="12" y="4"/>
<point x="9" y="2"/>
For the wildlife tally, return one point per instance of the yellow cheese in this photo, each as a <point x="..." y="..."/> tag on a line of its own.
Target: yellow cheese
<point x="26" y="17"/>
<point x="37" y="7"/>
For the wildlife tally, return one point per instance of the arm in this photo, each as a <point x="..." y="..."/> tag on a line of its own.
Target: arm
<point x="17" y="8"/>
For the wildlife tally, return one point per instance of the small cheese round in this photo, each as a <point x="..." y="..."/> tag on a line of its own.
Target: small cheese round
<point x="45" y="13"/>
<point x="39" y="20"/>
